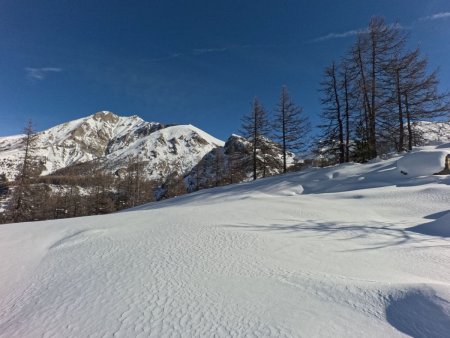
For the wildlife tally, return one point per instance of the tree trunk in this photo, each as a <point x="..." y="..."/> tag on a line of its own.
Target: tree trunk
<point x="400" y="114"/>
<point x="339" y="117"/>
<point x="372" y="112"/>
<point x="408" y="119"/>
<point x="347" y="119"/>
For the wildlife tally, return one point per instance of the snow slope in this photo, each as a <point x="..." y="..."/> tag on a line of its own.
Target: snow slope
<point x="172" y="149"/>
<point x="333" y="252"/>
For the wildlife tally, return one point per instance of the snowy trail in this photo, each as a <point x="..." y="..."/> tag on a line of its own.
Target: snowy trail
<point x="264" y="263"/>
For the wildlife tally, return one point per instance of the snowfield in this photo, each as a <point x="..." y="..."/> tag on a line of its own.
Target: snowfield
<point x="347" y="251"/>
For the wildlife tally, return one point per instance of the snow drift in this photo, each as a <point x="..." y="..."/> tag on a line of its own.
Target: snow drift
<point x="420" y="163"/>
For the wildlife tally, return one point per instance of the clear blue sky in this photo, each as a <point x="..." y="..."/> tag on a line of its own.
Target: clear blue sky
<point x="198" y="62"/>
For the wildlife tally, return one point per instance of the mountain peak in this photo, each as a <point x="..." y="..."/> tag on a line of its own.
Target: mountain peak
<point x="105" y="116"/>
<point x="110" y="139"/>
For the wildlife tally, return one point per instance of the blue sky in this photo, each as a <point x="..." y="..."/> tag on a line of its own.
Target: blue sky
<point x="198" y="62"/>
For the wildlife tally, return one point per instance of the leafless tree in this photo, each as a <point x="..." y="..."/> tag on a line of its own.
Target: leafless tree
<point x="21" y="205"/>
<point x="255" y="127"/>
<point x="291" y="126"/>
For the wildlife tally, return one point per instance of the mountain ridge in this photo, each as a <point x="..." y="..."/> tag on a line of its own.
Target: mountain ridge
<point x="110" y="142"/>
<point x="104" y="137"/>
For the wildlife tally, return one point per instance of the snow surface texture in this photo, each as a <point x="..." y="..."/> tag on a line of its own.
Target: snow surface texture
<point x="345" y="251"/>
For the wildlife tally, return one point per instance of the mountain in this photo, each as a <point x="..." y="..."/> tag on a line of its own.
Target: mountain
<point x="353" y="250"/>
<point x="175" y="149"/>
<point x="433" y="131"/>
<point x="108" y="141"/>
<point x="234" y="163"/>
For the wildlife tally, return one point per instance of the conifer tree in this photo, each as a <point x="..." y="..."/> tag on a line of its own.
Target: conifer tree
<point x="290" y="125"/>
<point x="256" y="127"/>
<point x="21" y="205"/>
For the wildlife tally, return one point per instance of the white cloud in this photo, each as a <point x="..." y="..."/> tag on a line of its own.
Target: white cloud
<point x="436" y="16"/>
<point x="209" y="50"/>
<point x="354" y="32"/>
<point x="41" y="73"/>
<point x="342" y="35"/>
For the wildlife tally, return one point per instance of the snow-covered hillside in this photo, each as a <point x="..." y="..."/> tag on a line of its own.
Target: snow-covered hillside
<point x="111" y="139"/>
<point x="346" y="251"/>
<point x="433" y="131"/>
<point x="172" y="149"/>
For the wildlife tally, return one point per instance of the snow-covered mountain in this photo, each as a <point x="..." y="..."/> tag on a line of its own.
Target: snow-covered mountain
<point x="433" y="131"/>
<point x="109" y="140"/>
<point x="353" y="250"/>
<point x="175" y="149"/>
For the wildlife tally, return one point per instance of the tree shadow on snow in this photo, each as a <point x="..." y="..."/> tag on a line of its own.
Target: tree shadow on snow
<point x="386" y="235"/>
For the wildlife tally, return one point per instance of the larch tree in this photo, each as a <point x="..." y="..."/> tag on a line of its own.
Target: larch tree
<point x="420" y="95"/>
<point x="291" y="126"/>
<point x="3" y="184"/>
<point x="374" y="49"/>
<point x="332" y="137"/>
<point x="256" y="127"/>
<point x="21" y="206"/>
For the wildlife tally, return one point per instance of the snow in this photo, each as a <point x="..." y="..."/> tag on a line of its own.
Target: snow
<point x="72" y="142"/>
<point x="345" y="251"/>
<point x="111" y="139"/>
<point x="178" y="147"/>
<point x="420" y="163"/>
<point x="440" y="226"/>
<point x="434" y="132"/>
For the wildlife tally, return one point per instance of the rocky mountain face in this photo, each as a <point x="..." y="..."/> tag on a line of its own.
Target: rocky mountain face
<point x="430" y="132"/>
<point x="234" y="163"/>
<point x="77" y="141"/>
<point x="168" y="151"/>
<point x="110" y="141"/>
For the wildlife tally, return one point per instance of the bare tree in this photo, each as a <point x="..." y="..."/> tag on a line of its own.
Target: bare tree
<point x="290" y="125"/>
<point x="420" y="95"/>
<point x="373" y="50"/>
<point x="256" y="127"/>
<point x="4" y="188"/>
<point x="332" y="138"/>
<point x="22" y="200"/>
